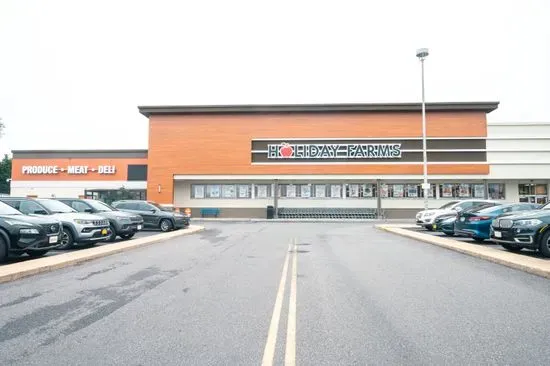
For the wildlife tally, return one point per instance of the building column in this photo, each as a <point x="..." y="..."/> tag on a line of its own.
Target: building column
<point x="486" y="189"/>
<point x="378" y="200"/>
<point x="276" y="199"/>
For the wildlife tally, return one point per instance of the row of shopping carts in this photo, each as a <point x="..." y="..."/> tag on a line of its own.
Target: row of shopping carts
<point x="328" y="213"/>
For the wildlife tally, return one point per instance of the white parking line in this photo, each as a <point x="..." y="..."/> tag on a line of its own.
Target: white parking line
<point x="269" y="350"/>
<point x="290" y="351"/>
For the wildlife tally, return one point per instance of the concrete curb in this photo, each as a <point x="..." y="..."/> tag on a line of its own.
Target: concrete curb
<point x="292" y="220"/>
<point x="536" y="266"/>
<point x="12" y="272"/>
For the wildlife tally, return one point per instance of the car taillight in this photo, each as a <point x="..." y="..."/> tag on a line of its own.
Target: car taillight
<point x="479" y="218"/>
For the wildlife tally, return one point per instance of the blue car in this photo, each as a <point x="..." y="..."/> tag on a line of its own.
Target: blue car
<point x="477" y="224"/>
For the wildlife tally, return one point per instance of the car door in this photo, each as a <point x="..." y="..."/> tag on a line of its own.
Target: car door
<point x="149" y="214"/>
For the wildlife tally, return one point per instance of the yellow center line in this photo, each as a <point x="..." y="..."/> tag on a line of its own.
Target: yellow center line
<point x="269" y="350"/>
<point x="290" y="351"/>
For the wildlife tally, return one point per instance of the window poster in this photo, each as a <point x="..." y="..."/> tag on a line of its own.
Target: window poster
<point x="291" y="190"/>
<point x="447" y="190"/>
<point x="213" y="191"/>
<point x="353" y="190"/>
<point x="198" y="191"/>
<point x="244" y="191"/>
<point x="479" y="191"/>
<point x="412" y="191"/>
<point x="336" y="190"/>
<point x="383" y="190"/>
<point x="305" y="191"/>
<point x="320" y="190"/>
<point x="229" y="191"/>
<point x="367" y="190"/>
<point x="398" y="190"/>
<point x="262" y="191"/>
<point x="464" y="190"/>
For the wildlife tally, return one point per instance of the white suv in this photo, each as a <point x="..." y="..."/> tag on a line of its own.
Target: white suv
<point x="427" y="218"/>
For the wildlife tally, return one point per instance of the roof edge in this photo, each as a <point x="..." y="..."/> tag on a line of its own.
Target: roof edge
<point x="486" y="107"/>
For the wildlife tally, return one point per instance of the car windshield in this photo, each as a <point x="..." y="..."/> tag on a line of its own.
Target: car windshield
<point x="492" y="209"/>
<point x="8" y="210"/>
<point x="56" y="206"/>
<point x="162" y="208"/>
<point x="100" y="206"/>
<point x="448" y="204"/>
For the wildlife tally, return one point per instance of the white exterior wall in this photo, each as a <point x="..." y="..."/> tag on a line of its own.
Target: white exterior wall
<point x="518" y="151"/>
<point x="68" y="189"/>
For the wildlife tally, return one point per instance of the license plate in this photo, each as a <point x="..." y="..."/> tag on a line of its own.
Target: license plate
<point x="462" y="219"/>
<point x="498" y="234"/>
<point x="103" y="231"/>
<point x="139" y="227"/>
<point x="53" y="239"/>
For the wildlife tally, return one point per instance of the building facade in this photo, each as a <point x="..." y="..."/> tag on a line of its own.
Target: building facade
<point x="240" y="159"/>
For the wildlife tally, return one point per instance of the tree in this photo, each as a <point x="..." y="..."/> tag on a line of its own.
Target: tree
<point x="5" y="174"/>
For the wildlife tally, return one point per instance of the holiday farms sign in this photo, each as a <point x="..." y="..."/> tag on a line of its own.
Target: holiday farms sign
<point x="285" y="150"/>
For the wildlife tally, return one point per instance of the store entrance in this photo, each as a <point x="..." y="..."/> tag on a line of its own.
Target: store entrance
<point x="533" y="193"/>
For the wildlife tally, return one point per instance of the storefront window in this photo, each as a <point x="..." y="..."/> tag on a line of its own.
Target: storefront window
<point x="230" y="191"/>
<point x="461" y="190"/>
<point x="533" y="193"/>
<point x="402" y="190"/>
<point x="496" y="191"/>
<point x="262" y="190"/>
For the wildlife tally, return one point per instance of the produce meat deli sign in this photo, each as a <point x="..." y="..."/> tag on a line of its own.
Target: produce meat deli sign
<point x="334" y="151"/>
<point x="71" y="169"/>
<point x="329" y="151"/>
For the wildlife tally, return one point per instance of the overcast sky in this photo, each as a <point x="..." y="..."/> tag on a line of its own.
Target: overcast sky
<point x="72" y="73"/>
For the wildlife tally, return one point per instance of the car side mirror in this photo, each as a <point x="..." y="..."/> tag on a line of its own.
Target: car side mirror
<point x="457" y="209"/>
<point x="40" y="212"/>
<point x="88" y="210"/>
<point x="153" y="210"/>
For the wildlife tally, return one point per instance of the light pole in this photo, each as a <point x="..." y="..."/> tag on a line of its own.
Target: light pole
<point x="422" y="53"/>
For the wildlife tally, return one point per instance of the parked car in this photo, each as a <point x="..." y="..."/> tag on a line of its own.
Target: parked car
<point x="25" y="234"/>
<point x="477" y="224"/>
<point x="154" y="215"/>
<point x="77" y="228"/>
<point x="123" y="224"/>
<point x="427" y="218"/>
<point x="446" y="225"/>
<point x="529" y="230"/>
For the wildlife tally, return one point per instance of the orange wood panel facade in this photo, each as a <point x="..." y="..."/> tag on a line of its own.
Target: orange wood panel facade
<point x="220" y="144"/>
<point x="121" y="166"/>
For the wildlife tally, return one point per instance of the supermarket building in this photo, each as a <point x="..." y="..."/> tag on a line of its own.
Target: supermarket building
<point x="235" y="158"/>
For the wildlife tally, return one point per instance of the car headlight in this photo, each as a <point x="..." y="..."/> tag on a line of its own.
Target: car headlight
<point x="84" y="222"/>
<point x="429" y="214"/>
<point x="29" y="231"/>
<point x="527" y="222"/>
<point x="123" y="218"/>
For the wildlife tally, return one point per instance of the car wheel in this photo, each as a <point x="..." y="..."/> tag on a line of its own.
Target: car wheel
<point x="67" y="239"/>
<point x="3" y="250"/>
<point x="478" y="239"/>
<point x="127" y="236"/>
<point x="36" y="253"/>
<point x="166" y="225"/>
<point x="512" y="248"/>
<point x="112" y="237"/>
<point x="545" y="244"/>
<point x="429" y="227"/>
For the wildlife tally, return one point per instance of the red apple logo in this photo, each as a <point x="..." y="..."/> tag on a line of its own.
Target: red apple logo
<point x="286" y="151"/>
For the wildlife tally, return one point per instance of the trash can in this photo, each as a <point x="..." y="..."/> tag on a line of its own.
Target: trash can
<point x="270" y="212"/>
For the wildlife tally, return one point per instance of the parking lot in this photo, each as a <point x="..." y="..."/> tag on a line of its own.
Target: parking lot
<point x="15" y="259"/>
<point x="488" y="243"/>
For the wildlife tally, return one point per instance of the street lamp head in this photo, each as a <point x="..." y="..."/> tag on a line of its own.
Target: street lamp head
<point x="422" y="53"/>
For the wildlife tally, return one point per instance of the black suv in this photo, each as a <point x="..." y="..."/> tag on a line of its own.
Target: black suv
<point x="25" y="234"/>
<point x="154" y="215"/>
<point x="529" y="230"/>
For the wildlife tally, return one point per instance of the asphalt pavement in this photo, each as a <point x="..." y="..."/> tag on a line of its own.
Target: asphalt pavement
<point x="362" y="296"/>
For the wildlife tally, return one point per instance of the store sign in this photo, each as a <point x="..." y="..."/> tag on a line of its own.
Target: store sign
<point x="333" y="151"/>
<point x="71" y="169"/>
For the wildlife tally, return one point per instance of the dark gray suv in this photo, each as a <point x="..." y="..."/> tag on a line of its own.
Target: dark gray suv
<point x="154" y="215"/>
